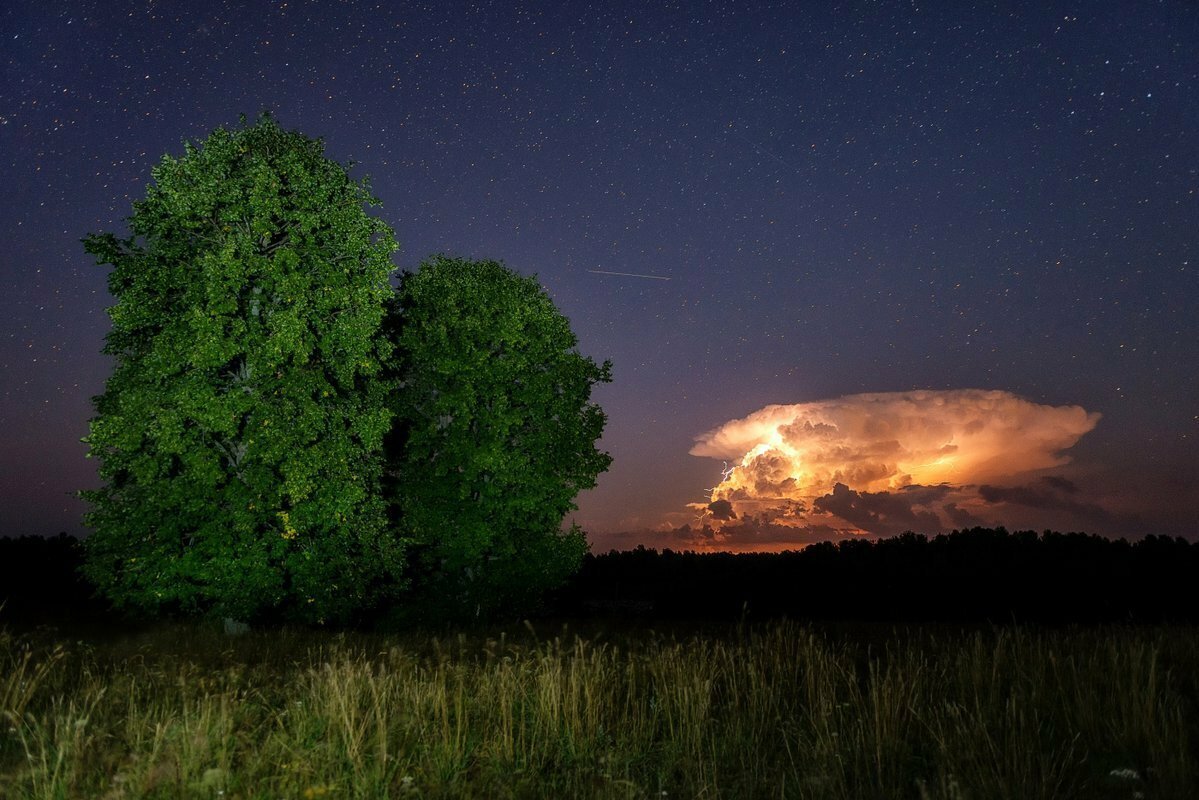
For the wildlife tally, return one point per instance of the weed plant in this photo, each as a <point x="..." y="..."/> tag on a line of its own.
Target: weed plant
<point x="777" y="710"/>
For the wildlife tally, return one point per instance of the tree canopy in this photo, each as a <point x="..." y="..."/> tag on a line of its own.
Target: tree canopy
<point x="240" y="434"/>
<point x="495" y="432"/>
<point x="286" y="436"/>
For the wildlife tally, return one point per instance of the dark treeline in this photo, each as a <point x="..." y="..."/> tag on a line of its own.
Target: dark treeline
<point x="978" y="575"/>
<point x="40" y="581"/>
<point x="973" y="575"/>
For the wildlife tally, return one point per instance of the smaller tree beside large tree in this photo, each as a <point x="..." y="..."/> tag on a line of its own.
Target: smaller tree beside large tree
<point x="494" y="435"/>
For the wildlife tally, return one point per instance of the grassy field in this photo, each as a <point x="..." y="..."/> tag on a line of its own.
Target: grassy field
<point x="773" y="710"/>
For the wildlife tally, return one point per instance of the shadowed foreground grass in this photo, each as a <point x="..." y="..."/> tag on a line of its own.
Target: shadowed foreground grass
<point x="775" y="710"/>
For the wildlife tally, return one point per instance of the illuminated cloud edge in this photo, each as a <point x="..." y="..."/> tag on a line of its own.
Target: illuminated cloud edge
<point x="881" y="463"/>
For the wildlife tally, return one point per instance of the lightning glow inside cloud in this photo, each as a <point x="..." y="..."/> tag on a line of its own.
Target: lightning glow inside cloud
<point x="878" y="463"/>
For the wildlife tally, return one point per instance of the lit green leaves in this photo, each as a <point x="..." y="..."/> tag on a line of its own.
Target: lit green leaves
<point x="240" y="434"/>
<point x="498" y="429"/>
<point x="262" y="361"/>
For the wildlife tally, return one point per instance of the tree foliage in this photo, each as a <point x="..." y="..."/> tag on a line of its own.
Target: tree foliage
<point x="495" y="433"/>
<point x="240" y="434"/>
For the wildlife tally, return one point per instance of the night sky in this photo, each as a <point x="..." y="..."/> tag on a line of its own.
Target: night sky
<point x="956" y="243"/>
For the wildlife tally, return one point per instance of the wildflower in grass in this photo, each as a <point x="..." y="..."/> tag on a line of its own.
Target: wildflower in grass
<point x="216" y="779"/>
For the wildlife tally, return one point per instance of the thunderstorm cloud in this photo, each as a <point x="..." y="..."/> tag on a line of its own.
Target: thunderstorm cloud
<point x="883" y="463"/>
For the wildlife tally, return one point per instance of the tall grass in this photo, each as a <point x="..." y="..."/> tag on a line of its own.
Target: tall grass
<point x="772" y="711"/>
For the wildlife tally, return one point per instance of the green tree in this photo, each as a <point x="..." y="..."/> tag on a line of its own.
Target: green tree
<point x="240" y="434"/>
<point x="495" y="434"/>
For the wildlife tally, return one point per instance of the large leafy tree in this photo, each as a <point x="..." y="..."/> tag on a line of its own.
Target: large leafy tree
<point x="495" y="434"/>
<point x="240" y="434"/>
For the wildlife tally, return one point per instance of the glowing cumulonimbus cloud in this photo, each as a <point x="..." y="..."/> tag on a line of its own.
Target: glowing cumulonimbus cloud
<point x="886" y="442"/>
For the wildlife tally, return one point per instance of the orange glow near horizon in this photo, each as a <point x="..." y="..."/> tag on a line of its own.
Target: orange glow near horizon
<point x="870" y="463"/>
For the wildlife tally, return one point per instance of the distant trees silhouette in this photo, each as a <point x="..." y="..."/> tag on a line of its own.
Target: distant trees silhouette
<point x="40" y="580"/>
<point x="974" y="575"/>
<point x="979" y="574"/>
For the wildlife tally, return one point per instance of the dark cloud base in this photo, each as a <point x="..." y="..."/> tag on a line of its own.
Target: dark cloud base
<point x="846" y="514"/>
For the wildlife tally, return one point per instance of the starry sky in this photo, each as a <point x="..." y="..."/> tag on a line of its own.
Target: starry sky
<point x="946" y="252"/>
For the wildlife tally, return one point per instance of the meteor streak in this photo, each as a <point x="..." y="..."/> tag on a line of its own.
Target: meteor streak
<point x="628" y="274"/>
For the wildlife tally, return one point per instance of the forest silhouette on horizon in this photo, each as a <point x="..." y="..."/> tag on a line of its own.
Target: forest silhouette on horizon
<point x="978" y="575"/>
